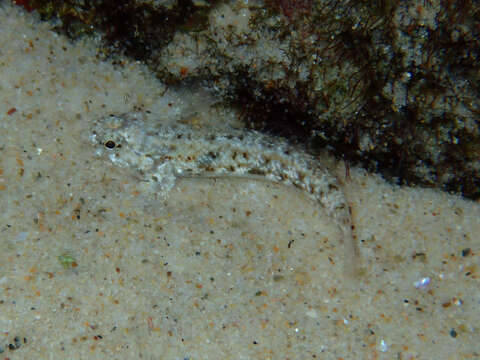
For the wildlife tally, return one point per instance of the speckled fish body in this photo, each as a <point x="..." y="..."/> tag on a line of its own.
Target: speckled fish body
<point x="161" y="154"/>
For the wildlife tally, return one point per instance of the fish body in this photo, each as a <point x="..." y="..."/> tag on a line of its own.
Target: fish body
<point x="162" y="154"/>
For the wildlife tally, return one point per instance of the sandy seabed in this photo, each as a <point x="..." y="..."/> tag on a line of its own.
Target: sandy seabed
<point x="91" y="267"/>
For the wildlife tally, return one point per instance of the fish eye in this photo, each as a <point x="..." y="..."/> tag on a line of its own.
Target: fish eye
<point x="110" y="144"/>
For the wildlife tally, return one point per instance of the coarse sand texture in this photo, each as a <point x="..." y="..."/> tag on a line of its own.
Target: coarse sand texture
<point x="95" y="265"/>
